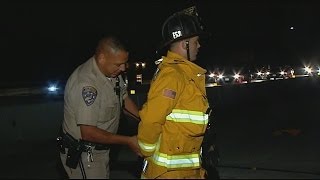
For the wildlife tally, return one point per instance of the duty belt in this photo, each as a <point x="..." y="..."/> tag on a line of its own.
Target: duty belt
<point x="69" y="141"/>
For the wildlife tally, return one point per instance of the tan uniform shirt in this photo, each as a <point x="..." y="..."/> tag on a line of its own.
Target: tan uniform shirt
<point x="90" y="99"/>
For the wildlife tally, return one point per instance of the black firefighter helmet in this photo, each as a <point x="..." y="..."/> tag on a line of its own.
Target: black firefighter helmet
<point x="181" y="26"/>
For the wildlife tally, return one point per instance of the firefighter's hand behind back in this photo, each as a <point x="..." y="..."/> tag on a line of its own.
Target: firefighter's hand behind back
<point x="134" y="146"/>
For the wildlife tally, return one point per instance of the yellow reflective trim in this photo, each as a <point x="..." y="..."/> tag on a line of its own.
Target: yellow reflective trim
<point x="187" y="121"/>
<point x="195" y="117"/>
<point x="147" y="147"/>
<point x="176" y="161"/>
<point x="183" y="111"/>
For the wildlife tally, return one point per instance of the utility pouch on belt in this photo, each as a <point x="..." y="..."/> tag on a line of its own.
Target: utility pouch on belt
<point x="210" y="153"/>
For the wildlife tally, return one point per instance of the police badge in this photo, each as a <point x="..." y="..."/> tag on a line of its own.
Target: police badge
<point x="89" y="95"/>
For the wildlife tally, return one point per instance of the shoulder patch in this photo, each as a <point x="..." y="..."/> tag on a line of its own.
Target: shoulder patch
<point x="89" y="95"/>
<point x="169" y="93"/>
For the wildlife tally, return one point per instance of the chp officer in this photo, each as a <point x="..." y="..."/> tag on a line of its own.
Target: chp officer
<point x="94" y="96"/>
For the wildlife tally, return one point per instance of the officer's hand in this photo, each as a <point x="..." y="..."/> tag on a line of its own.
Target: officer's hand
<point x="134" y="146"/>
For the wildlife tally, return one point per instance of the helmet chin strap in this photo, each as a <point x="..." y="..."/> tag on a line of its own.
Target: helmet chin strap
<point x="188" y="52"/>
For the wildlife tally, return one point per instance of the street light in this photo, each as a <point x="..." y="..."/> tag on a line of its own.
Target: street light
<point x="140" y="64"/>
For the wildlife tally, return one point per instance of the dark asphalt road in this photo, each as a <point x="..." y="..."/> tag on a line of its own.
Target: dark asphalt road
<point x="266" y="131"/>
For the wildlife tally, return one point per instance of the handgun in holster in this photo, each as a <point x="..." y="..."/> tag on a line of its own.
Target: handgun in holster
<point x="74" y="155"/>
<point x="75" y="149"/>
<point x="210" y="152"/>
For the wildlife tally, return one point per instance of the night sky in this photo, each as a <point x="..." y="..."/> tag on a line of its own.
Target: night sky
<point x="47" y="41"/>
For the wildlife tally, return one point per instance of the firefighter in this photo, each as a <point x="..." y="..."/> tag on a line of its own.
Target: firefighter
<point x="174" y="118"/>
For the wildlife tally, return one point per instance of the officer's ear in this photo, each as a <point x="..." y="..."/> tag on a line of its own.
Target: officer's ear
<point x="101" y="57"/>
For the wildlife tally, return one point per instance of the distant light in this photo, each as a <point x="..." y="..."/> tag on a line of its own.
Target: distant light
<point x="259" y="73"/>
<point x="132" y="91"/>
<point x="236" y="76"/>
<point x="292" y="71"/>
<point x="52" y="88"/>
<point x="291" y="28"/>
<point x="308" y="70"/>
<point x="211" y="75"/>
<point x="143" y="64"/>
<point x="139" y="78"/>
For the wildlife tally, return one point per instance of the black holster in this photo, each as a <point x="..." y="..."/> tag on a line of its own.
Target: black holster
<point x="75" y="149"/>
<point x="74" y="155"/>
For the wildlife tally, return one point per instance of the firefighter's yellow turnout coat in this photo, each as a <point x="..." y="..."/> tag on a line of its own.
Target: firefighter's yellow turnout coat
<point x="174" y="119"/>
